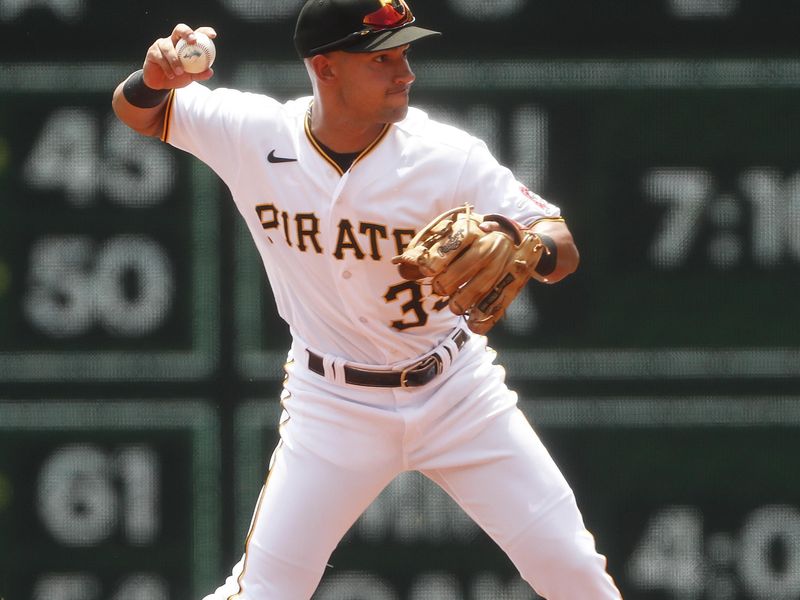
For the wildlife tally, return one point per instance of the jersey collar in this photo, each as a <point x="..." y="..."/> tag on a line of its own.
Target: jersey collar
<point x="321" y="151"/>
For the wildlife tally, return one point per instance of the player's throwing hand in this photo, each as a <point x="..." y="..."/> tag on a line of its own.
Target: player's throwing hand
<point x="162" y="67"/>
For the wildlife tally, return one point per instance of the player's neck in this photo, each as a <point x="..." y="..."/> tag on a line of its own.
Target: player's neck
<point x="340" y="133"/>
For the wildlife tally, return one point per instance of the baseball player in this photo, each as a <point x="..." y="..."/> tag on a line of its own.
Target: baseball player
<point x="387" y="371"/>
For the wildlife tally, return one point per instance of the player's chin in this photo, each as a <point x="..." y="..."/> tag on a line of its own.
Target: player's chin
<point x="395" y="111"/>
<point x="396" y="115"/>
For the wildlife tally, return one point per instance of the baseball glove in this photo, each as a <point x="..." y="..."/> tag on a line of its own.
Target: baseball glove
<point x="481" y="272"/>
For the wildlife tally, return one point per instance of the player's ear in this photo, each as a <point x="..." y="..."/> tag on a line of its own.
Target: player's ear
<point x="322" y="67"/>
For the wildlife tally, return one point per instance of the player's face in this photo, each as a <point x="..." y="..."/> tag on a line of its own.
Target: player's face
<point x="375" y="85"/>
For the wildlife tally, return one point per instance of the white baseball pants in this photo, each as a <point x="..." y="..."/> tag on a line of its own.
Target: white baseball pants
<point x="342" y="444"/>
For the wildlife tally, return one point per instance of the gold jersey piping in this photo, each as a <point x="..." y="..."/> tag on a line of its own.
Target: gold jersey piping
<point x="324" y="154"/>
<point x="167" y="117"/>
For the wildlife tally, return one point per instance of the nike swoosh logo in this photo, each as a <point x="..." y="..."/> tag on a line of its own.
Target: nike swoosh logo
<point x="279" y="159"/>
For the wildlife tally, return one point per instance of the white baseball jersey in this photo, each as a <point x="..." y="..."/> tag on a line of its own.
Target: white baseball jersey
<point x="327" y="238"/>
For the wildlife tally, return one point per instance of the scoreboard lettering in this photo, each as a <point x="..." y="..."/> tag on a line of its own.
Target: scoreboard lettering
<point x="105" y="244"/>
<point x="108" y="500"/>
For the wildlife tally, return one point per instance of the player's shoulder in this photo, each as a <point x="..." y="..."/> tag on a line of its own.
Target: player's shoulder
<point x="424" y="130"/>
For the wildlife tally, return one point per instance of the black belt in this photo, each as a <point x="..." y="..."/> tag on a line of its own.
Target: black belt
<point x="420" y="373"/>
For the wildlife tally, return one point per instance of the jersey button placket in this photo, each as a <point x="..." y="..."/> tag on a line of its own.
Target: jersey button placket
<point x="338" y="207"/>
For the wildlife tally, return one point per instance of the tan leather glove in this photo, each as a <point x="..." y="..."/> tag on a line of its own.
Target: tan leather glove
<point x="481" y="272"/>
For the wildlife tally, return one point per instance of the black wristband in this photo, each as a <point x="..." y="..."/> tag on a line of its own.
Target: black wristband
<point x="139" y="95"/>
<point x="547" y="263"/>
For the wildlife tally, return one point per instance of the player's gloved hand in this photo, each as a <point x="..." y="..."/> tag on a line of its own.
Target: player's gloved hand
<point x="480" y="271"/>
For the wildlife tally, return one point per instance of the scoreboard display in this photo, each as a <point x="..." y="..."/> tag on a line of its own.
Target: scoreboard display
<point x="107" y="258"/>
<point x="108" y="500"/>
<point x="141" y="353"/>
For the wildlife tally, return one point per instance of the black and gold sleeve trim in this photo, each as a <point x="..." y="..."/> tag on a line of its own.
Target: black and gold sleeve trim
<point x="546" y="219"/>
<point x="165" y="131"/>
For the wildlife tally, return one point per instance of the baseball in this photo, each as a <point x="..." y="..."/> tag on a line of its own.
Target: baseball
<point x="196" y="57"/>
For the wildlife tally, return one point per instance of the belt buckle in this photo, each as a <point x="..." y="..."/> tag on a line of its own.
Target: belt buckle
<point x="433" y="359"/>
